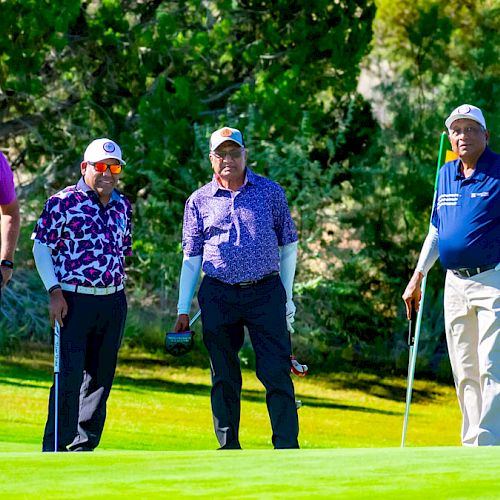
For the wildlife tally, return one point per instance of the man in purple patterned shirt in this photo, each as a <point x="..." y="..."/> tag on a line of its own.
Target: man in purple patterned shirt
<point x="80" y="244"/>
<point x="238" y="230"/>
<point x="10" y="221"/>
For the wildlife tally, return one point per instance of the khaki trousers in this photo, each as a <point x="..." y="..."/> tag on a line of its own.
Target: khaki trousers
<point x="472" y="320"/>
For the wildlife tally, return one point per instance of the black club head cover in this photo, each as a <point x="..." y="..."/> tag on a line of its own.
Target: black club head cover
<point x="178" y="344"/>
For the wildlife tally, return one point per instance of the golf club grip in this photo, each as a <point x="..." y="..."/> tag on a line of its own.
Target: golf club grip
<point x="411" y="327"/>
<point x="57" y="346"/>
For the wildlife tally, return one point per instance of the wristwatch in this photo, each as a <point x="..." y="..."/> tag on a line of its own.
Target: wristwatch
<point x="7" y="263"/>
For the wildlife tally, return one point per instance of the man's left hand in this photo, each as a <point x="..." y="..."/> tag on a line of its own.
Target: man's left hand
<point x="290" y="315"/>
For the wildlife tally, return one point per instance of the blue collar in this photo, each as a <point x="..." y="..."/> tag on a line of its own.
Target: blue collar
<point x="483" y="165"/>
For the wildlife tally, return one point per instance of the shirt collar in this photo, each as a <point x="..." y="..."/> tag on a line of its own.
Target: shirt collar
<point x="83" y="186"/>
<point x="483" y="165"/>
<point x="249" y="179"/>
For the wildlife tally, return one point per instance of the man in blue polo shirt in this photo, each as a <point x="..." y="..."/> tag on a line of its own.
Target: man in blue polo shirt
<point x="80" y="244"/>
<point x="238" y="229"/>
<point x="465" y="234"/>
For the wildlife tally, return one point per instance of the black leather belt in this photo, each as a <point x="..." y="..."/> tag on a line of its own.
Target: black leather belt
<point x="245" y="284"/>
<point x="267" y="277"/>
<point x="472" y="271"/>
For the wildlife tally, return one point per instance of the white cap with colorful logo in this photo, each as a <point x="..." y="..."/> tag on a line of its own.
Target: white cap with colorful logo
<point x="226" y="134"/>
<point x="102" y="149"/>
<point x="467" y="112"/>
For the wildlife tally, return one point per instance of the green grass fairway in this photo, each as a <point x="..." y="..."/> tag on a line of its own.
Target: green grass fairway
<point x="156" y="407"/>
<point x="159" y="443"/>
<point x="424" y="473"/>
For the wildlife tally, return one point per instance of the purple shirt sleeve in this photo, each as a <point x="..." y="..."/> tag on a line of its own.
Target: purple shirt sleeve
<point x="7" y="190"/>
<point x="49" y="226"/>
<point x="285" y="228"/>
<point x="192" y="243"/>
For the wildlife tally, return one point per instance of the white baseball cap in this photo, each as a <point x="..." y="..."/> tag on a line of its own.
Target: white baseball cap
<point x="226" y="134"/>
<point x="102" y="149"/>
<point x="468" y="112"/>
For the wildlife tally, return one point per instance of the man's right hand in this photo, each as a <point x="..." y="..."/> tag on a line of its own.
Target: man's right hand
<point x="6" y="275"/>
<point x="413" y="294"/>
<point x="58" y="307"/>
<point x="182" y="323"/>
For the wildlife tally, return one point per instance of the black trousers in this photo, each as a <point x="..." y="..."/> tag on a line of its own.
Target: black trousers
<point x="90" y="339"/>
<point x="225" y="310"/>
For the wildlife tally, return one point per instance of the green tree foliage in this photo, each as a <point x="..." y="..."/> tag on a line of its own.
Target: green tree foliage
<point x="157" y="77"/>
<point x="429" y="56"/>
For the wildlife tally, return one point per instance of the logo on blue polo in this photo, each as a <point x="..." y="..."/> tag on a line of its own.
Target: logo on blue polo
<point x="450" y="200"/>
<point x="484" y="194"/>
<point x="109" y="147"/>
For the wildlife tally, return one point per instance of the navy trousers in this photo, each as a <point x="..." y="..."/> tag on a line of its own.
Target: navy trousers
<point x="225" y="310"/>
<point x="90" y="339"/>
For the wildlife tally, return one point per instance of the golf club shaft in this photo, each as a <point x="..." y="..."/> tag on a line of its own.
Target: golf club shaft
<point x="413" y="337"/>
<point x="57" y="359"/>
<point x="412" y="359"/>
<point x="195" y="318"/>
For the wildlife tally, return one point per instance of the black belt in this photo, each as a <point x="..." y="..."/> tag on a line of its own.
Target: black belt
<point x="472" y="271"/>
<point x="244" y="284"/>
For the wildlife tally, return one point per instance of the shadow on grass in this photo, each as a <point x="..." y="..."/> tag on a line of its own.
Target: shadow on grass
<point x="324" y="403"/>
<point x="37" y="373"/>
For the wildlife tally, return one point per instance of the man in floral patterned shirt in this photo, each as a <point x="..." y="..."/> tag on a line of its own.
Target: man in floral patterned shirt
<point x="80" y="244"/>
<point x="239" y="231"/>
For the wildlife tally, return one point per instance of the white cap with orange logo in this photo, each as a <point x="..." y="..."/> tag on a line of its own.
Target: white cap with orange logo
<point x="226" y="134"/>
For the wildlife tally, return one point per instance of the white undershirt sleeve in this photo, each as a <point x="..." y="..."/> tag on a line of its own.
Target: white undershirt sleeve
<point x="190" y="272"/>
<point x="430" y="251"/>
<point x="44" y="264"/>
<point x="288" y="263"/>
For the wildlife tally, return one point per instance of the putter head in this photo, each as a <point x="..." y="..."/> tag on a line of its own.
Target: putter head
<point x="297" y="368"/>
<point x="178" y="344"/>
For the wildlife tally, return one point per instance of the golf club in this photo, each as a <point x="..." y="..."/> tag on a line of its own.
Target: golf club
<point x="411" y="372"/>
<point x="415" y="336"/>
<point x="296" y="368"/>
<point x="57" y="360"/>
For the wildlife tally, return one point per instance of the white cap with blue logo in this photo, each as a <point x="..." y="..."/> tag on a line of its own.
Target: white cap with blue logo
<point x="468" y="112"/>
<point x="102" y="149"/>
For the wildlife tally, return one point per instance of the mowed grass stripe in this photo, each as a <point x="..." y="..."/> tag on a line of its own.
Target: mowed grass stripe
<point x="444" y="473"/>
<point x="157" y="407"/>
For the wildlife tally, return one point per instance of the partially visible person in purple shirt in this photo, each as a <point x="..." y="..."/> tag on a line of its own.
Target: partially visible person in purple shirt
<point x="10" y="221"/>
<point x="238" y="230"/>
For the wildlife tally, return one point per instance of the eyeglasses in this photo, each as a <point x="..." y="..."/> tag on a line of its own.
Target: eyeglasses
<point x="100" y="167"/>
<point x="455" y="132"/>
<point x="234" y="154"/>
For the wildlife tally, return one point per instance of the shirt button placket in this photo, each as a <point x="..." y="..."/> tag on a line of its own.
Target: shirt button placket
<point x="234" y="217"/>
